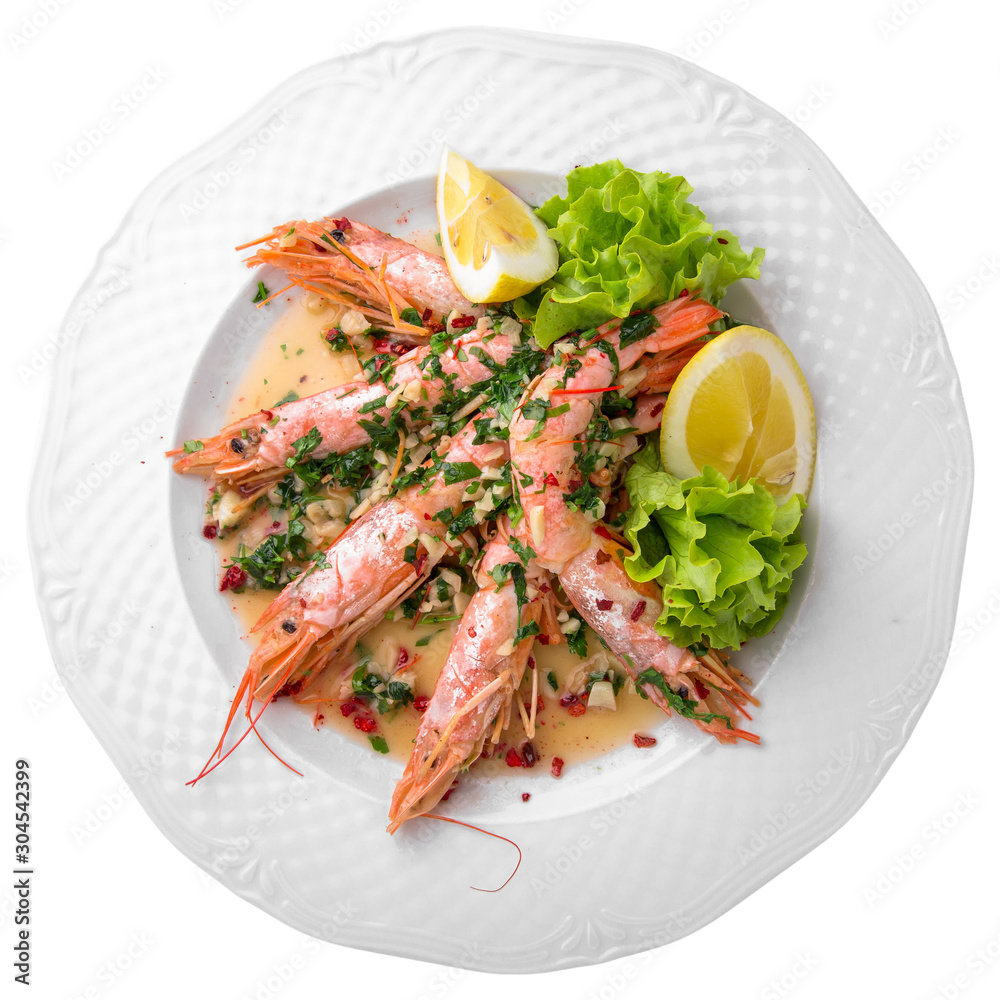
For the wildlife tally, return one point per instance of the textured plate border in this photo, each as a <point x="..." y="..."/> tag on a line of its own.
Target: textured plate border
<point x="602" y="932"/>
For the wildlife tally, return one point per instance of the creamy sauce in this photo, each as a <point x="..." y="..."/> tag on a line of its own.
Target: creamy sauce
<point x="296" y="357"/>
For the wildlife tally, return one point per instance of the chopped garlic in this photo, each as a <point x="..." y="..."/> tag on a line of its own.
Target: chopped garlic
<point x="353" y="323"/>
<point x="602" y="695"/>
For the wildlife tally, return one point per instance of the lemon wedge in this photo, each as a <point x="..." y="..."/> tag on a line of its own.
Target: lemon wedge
<point x="495" y="247"/>
<point x="741" y="405"/>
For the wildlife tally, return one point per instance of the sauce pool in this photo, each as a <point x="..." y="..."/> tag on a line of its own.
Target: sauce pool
<point x="295" y="357"/>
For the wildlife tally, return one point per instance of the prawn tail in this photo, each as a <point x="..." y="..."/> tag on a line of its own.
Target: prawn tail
<point x="664" y="367"/>
<point x="706" y="689"/>
<point x="682" y="320"/>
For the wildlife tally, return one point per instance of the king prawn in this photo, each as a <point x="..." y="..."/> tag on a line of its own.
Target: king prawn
<point x="464" y="476"/>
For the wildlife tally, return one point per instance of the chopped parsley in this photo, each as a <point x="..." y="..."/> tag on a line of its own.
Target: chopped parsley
<point x="635" y="328"/>
<point x="678" y="704"/>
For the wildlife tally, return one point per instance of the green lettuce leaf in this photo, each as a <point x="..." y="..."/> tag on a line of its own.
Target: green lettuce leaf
<point x="724" y="553"/>
<point x="628" y="240"/>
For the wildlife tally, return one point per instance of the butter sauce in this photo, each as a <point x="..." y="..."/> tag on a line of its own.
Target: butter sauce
<point x="295" y="357"/>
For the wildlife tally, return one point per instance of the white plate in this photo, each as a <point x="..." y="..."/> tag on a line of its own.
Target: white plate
<point x="615" y="861"/>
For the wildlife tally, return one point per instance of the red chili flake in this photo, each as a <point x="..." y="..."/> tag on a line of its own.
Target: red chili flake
<point x="427" y="517"/>
<point x="575" y="484"/>
<point x="550" y="480"/>
<point x="643" y="741"/>
<point x="701" y="689"/>
<point x="525" y="796"/>
<point x="210" y="531"/>
<point x="447" y="794"/>
<point x="461" y="322"/>
<point x="603" y="532"/>
<point x="432" y="326"/>
<point x="365" y="723"/>
<point x="656" y="410"/>
<point x="540" y="704"/>
<point x="568" y="699"/>
<point x="684" y="294"/>
<point x="513" y="759"/>
<point x="403" y="659"/>
<point x="605" y="605"/>
<point x="426" y="314"/>
<point x="342" y="224"/>
<point x="348" y="708"/>
<point x="529" y="755"/>
<point x="531" y="663"/>
<point x="602" y="557"/>
<point x="637" y="611"/>
<point x="721" y="240"/>
<point x="472" y="632"/>
<point x="635" y="312"/>
<point x="235" y="577"/>
<point x="275" y="524"/>
<point x="557" y="765"/>
<point x="421" y="702"/>
<point x="577" y="710"/>
<point x="382" y="345"/>
<point x="543" y="639"/>
<point x="267" y="414"/>
<point x="319" y="718"/>
<point x="291" y="689"/>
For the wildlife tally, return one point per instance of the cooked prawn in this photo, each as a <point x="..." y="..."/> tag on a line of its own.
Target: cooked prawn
<point x="316" y="620"/>
<point x="352" y="264"/>
<point x="623" y="613"/>
<point x="545" y="449"/>
<point x="252" y="452"/>
<point x="476" y="685"/>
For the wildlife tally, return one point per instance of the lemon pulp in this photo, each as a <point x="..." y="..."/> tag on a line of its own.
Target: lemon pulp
<point x="742" y="406"/>
<point x="496" y="248"/>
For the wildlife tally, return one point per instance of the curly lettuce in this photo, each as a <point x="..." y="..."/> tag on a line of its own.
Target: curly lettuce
<point x="724" y="553"/>
<point x="628" y="240"/>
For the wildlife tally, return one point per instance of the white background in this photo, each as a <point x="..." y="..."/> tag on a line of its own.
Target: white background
<point x="902" y="97"/>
